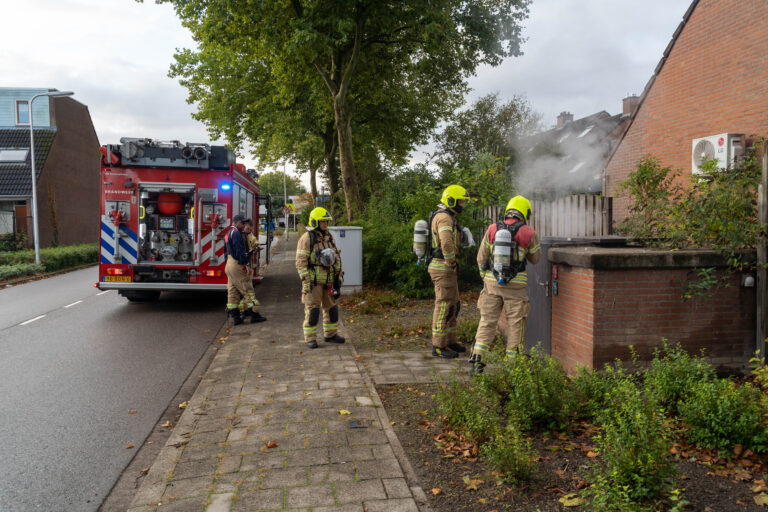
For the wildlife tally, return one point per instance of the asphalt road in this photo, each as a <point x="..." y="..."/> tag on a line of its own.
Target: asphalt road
<point x="73" y="362"/>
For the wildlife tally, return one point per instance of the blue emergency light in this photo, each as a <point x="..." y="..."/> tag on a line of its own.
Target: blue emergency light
<point x="226" y="187"/>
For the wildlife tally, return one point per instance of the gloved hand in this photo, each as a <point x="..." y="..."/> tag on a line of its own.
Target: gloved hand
<point x="524" y="235"/>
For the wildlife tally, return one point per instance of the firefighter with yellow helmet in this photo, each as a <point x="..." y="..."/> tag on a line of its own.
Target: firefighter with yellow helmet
<point x="506" y="248"/>
<point x="446" y="238"/>
<point x="319" y="266"/>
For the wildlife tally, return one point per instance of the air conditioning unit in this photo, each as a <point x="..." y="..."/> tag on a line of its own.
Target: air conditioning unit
<point x="726" y="148"/>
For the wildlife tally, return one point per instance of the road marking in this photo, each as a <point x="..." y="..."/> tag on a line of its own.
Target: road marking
<point x="73" y="304"/>
<point x="32" y="320"/>
<point x="102" y="293"/>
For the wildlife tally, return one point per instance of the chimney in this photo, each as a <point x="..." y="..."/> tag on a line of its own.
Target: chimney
<point x="563" y="119"/>
<point x="629" y="104"/>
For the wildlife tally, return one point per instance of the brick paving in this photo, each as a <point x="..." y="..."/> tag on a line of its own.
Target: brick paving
<point x="275" y="425"/>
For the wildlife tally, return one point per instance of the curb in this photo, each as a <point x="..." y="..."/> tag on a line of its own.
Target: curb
<point x="38" y="277"/>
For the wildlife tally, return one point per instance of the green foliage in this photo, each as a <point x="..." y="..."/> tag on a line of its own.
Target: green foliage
<point x="55" y="258"/>
<point x="674" y="374"/>
<point x="719" y="414"/>
<point x="272" y="183"/>
<point x="509" y="452"/>
<point x="466" y="330"/>
<point x="592" y="389"/>
<point x="12" y="242"/>
<point x="534" y="391"/>
<point x="468" y="408"/>
<point x="759" y="372"/>
<point x="19" y="270"/>
<point x="636" y="467"/>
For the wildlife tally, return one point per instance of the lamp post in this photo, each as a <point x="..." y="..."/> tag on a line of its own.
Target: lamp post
<point x="53" y="94"/>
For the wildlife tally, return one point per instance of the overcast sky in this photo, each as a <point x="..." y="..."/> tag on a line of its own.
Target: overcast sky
<point x="581" y="56"/>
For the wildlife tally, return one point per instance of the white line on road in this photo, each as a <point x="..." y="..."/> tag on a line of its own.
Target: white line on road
<point x="73" y="304"/>
<point x="102" y="293"/>
<point x="32" y="320"/>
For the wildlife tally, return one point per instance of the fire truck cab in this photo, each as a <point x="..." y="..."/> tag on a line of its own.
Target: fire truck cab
<point x="165" y="207"/>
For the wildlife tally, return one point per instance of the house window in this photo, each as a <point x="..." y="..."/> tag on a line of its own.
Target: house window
<point x="22" y="112"/>
<point x="13" y="155"/>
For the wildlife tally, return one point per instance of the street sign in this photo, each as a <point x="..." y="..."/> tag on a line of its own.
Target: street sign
<point x="290" y="207"/>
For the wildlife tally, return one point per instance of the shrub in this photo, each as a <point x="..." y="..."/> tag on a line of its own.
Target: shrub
<point x="719" y="414"/>
<point x="466" y="330"/>
<point x="592" y="389"/>
<point x="55" y="258"/>
<point x="468" y="408"/>
<point x="533" y="390"/>
<point x="674" y="374"/>
<point x="636" y="466"/>
<point x="19" y="270"/>
<point x="12" y="242"/>
<point x="509" y="452"/>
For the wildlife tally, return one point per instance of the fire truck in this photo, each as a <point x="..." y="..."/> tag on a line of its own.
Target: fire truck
<point x="165" y="207"/>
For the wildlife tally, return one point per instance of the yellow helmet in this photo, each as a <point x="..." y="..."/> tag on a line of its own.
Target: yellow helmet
<point x="520" y="205"/>
<point x="318" y="214"/>
<point x="453" y="194"/>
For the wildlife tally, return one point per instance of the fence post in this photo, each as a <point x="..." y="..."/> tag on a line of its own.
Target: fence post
<point x="762" y="258"/>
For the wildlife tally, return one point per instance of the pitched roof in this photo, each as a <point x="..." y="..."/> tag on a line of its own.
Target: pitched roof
<point x="570" y="159"/>
<point x="15" y="176"/>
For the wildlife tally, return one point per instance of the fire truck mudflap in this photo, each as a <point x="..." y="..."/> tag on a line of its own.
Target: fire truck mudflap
<point x="165" y="207"/>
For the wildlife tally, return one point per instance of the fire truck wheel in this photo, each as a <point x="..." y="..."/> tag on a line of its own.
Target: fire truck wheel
<point x="141" y="295"/>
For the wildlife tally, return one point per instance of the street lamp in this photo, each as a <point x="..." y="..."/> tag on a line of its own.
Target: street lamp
<point x="34" y="173"/>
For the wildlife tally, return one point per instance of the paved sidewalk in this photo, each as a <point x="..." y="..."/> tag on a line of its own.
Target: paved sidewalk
<point x="277" y="426"/>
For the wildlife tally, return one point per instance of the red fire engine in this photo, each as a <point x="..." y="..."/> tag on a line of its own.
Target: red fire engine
<point x="165" y="207"/>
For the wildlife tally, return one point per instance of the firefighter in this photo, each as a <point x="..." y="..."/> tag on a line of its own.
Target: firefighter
<point x="446" y="235"/>
<point x="251" y="245"/>
<point x="319" y="267"/>
<point x="505" y="280"/>
<point x="239" y="281"/>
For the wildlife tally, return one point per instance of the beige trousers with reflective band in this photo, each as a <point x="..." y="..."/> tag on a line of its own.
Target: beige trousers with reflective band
<point x="494" y="298"/>
<point x="318" y="298"/>
<point x="239" y="286"/>
<point x="446" y="307"/>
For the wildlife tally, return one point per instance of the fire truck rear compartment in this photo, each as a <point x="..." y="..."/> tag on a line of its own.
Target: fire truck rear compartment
<point x="150" y="274"/>
<point x="167" y="229"/>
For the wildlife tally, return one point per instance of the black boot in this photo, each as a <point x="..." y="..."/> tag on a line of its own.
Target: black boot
<point x="477" y="366"/>
<point x="335" y="339"/>
<point x="312" y="344"/>
<point x="457" y="347"/>
<point x="255" y="316"/>
<point x="235" y="314"/>
<point x="445" y="353"/>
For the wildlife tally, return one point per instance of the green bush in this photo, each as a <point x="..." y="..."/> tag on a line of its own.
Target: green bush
<point x="674" y="374"/>
<point x="592" y="389"/>
<point x="510" y="453"/>
<point x="636" y="466"/>
<point x="55" y="258"/>
<point x="466" y="330"/>
<point x="12" y="242"/>
<point x="533" y="390"/>
<point x="719" y="414"/>
<point x="469" y="408"/>
<point x="19" y="270"/>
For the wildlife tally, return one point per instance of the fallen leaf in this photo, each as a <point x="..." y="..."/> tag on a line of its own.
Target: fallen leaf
<point x="167" y="424"/>
<point x="131" y="411"/>
<point x="482" y="501"/>
<point x="272" y="444"/>
<point x="560" y="473"/>
<point x="259" y="375"/>
<point x="183" y="405"/>
<point x="129" y="447"/>
<point x="308" y="393"/>
<point x="737" y="449"/>
<point x="761" y="499"/>
<point x="393" y="423"/>
<point x="591" y="454"/>
<point x="150" y="442"/>
<point x="471" y="483"/>
<point x="344" y="411"/>
<point x="759" y="488"/>
<point x="571" y="500"/>
<point x="435" y="491"/>
<point x="144" y="471"/>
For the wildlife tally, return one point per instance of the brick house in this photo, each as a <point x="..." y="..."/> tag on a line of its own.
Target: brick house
<point x="66" y="164"/>
<point x="711" y="79"/>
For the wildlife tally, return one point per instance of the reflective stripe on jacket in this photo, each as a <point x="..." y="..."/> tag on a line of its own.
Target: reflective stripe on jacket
<point x="307" y="258"/>
<point x="532" y="253"/>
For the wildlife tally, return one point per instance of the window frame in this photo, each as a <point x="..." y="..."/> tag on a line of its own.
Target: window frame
<point x="29" y="112"/>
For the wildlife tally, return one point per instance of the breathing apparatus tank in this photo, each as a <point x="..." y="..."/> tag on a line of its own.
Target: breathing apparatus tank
<point x="420" y="240"/>
<point x="502" y="253"/>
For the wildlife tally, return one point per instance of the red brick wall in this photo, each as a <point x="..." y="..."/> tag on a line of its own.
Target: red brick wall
<point x="598" y="314"/>
<point x="715" y="80"/>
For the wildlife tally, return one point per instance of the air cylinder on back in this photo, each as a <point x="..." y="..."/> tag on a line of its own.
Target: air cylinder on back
<point x="420" y="238"/>
<point x="502" y="253"/>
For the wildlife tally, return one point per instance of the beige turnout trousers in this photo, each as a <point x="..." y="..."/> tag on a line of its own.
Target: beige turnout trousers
<point x="447" y="307"/>
<point x="514" y="301"/>
<point x="239" y="286"/>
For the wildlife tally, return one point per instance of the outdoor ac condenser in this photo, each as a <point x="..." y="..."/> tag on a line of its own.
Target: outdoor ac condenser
<point x="726" y="148"/>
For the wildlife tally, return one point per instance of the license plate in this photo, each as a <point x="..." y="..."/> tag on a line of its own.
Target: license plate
<point x="117" y="279"/>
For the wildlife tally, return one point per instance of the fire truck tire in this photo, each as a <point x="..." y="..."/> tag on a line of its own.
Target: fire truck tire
<point x="140" y="295"/>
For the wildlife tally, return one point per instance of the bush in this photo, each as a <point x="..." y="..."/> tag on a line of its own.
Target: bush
<point x="634" y="445"/>
<point x="19" y="270"/>
<point x="469" y="408"/>
<point x="55" y="258"/>
<point x="466" y="330"/>
<point x="509" y="452"/>
<point x="533" y="390"/>
<point x="719" y="414"/>
<point x="12" y="242"/>
<point x="674" y="374"/>
<point x="592" y="389"/>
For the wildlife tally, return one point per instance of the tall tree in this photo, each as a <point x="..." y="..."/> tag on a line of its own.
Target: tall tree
<point x="272" y="183"/>
<point x="410" y="55"/>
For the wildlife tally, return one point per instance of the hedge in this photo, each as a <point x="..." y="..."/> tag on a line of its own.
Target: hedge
<point x="51" y="258"/>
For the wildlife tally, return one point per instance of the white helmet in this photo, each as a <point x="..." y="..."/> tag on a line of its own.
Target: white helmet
<point x="328" y="257"/>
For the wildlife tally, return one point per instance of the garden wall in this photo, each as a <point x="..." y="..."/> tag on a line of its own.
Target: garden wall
<point x="610" y="298"/>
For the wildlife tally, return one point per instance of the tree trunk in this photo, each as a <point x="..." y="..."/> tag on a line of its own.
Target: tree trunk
<point x="313" y="179"/>
<point x="346" y="157"/>
<point x="331" y="169"/>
